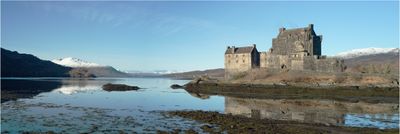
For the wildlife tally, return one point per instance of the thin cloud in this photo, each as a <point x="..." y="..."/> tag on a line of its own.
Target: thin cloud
<point x="123" y="15"/>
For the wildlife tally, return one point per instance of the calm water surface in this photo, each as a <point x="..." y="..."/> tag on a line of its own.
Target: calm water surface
<point x="78" y="105"/>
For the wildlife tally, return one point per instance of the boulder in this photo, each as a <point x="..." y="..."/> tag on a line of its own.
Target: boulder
<point x="119" y="87"/>
<point x="176" y="86"/>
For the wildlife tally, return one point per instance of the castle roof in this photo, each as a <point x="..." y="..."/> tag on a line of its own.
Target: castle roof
<point x="232" y="50"/>
<point x="283" y="32"/>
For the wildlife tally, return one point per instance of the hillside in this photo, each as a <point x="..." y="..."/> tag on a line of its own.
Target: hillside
<point x="89" y="68"/>
<point x="376" y="63"/>
<point x="14" y="64"/>
<point x="365" y="51"/>
<point x="215" y="73"/>
<point x="106" y="71"/>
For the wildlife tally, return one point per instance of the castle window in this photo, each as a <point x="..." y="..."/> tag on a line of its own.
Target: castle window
<point x="236" y="56"/>
<point x="237" y="61"/>
<point x="243" y="61"/>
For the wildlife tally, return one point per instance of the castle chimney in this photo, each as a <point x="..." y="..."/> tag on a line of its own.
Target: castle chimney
<point x="233" y="49"/>
<point x="311" y="26"/>
<point x="282" y="29"/>
<point x="254" y="45"/>
<point x="228" y="47"/>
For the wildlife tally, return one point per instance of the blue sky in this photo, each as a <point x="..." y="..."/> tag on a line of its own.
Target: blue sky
<point x="186" y="35"/>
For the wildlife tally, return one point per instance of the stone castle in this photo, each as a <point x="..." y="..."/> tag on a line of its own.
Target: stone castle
<point x="292" y="49"/>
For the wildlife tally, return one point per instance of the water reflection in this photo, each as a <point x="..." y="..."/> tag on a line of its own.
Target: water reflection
<point x="81" y="101"/>
<point x="199" y="95"/>
<point x="12" y="89"/>
<point x="81" y="106"/>
<point x="72" y="86"/>
<point x="327" y="112"/>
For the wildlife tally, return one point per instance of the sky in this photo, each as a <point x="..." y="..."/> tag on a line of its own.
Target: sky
<point x="184" y="36"/>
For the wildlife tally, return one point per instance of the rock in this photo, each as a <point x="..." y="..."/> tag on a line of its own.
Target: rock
<point x="196" y="81"/>
<point x="207" y="128"/>
<point x="202" y="80"/>
<point x="176" y="86"/>
<point x="119" y="87"/>
<point x="161" y="132"/>
<point x="190" y="131"/>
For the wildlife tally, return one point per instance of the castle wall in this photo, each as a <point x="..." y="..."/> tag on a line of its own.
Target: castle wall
<point x="309" y="63"/>
<point x="274" y="61"/>
<point x="329" y="65"/>
<point x="236" y="63"/>
<point x="301" y="63"/>
<point x="297" y="64"/>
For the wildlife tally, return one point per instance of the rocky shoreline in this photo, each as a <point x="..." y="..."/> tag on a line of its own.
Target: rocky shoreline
<point x="219" y="123"/>
<point x="352" y="93"/>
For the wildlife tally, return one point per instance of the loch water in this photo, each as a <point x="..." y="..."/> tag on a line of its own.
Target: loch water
<point x="66" y="105"/>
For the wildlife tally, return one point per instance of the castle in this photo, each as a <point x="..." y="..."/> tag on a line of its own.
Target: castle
<point x="292" y="49"/>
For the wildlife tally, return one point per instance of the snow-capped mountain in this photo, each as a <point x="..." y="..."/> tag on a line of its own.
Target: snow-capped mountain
<point x="75" y="62"/>
<point x="166" y="71"/>
<point x="365" y="51"/>
<point x="91" y="68"/>
<point x="156" y="72"/>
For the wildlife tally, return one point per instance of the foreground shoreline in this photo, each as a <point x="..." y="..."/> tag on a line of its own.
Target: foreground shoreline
<point x="238" y="124"/>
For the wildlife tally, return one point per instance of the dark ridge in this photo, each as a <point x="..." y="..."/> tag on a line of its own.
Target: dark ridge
<point x="14" y="64"/>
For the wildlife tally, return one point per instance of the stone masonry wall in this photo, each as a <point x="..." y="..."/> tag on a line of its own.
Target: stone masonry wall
<point x="235" y="63"/>
<point x="269" y="60"/>
<point x="329" y="65"/>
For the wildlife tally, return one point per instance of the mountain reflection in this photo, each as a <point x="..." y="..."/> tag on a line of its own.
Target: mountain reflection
<point x="327" y="112"/>
<point x="12" y="89"/>
<point x="72" y="86"/>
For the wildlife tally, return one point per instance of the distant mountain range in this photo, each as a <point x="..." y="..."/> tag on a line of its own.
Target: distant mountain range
<point x="366" y="51"/>
<point x="14" y="64"/>
<point x="386" y="61"/>
<point x="75" y="62"/>
<point x="215" y="73"/>
<point x="91" y="68"/>
<point x="155" y="73"/>
<point x="372" y="60"/>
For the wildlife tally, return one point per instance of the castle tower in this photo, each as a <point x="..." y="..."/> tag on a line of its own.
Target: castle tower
<point x="302" y="41"/>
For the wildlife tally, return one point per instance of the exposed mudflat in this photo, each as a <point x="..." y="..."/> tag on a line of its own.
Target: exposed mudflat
<point x="217" y="123"/>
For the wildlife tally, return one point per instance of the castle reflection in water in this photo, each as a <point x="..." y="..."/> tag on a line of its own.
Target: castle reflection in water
<point x="327" y="112"/>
